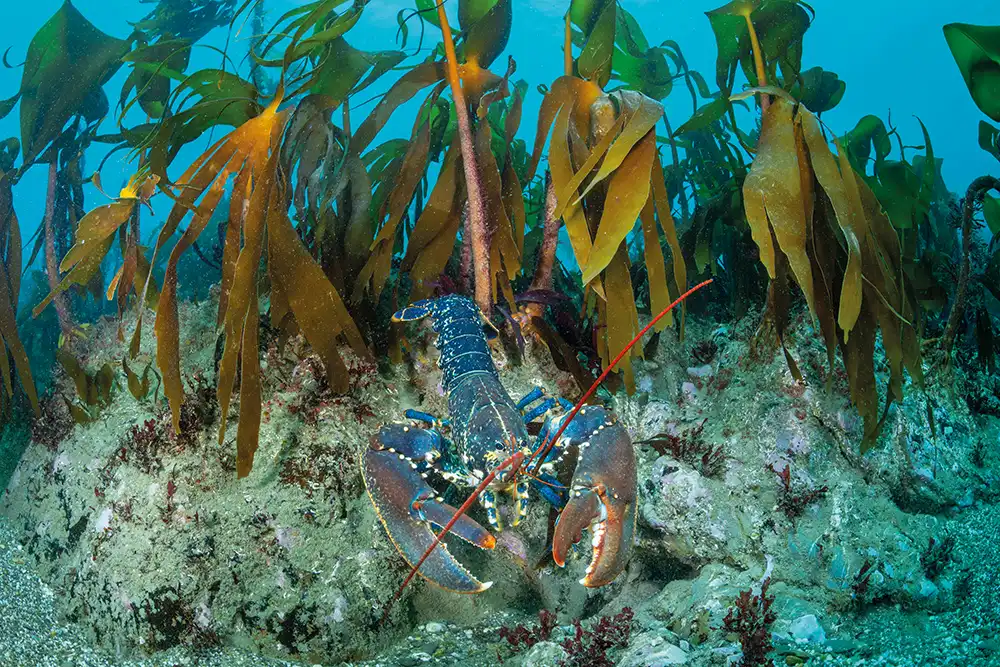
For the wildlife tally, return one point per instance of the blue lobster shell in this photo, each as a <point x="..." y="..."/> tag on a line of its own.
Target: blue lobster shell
<point x="485" y="428"/>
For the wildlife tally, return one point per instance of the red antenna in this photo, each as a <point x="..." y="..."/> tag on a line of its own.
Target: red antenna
<point x="516" y="460"/>
<point x="546" y="446"/>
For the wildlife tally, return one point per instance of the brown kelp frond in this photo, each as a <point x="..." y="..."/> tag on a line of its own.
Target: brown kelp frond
<point x="258" y="211"/>
<point x="94" y="236"/>
<point x="10" y="289"/>
<point x="410" y="172"/>
<point x="809" y="211"/>
<point x="201" y="101"/>
<point x="605" y="168"/>
<point x="93" y="390"/>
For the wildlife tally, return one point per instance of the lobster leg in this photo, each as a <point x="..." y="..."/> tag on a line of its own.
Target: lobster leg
<point x="394" y="468"/>
<point x="602" y="495"/>
<point x="426" y="418"/>
<point x="539" y="410"/>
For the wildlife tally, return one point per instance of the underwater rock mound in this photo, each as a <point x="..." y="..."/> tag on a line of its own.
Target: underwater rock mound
<point x="152" y="543"/>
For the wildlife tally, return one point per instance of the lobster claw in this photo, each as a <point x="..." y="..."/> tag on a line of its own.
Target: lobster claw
<point x="602" y="496"/>
<point x="393" y="467"/>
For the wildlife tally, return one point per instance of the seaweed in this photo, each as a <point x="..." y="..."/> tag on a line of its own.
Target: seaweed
<point x="326" y="230"/>
<point x="11" y="346"/>
<point x="750" y="619"/>
<point x="93" y="390"/>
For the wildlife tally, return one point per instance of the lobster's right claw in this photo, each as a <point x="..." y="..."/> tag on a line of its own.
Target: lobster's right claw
<point x="602" y="497"/>
<point x="407" y="506"/>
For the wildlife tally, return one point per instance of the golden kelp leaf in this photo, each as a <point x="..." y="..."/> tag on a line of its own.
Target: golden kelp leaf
<point x="75" y="372"/>
<point x="103" y="382"/>
<point x="886" y="252"/>
<point x="94" y="228"/>
<point x="81" y="274"/>
<point x="376" y="269"/>
<point x="433" y="237"/>
<point x="246" y="147"/>
<point x="643" y="114"/>
<point x="503" y="247"/>
<point x="167" y="323"/>
<point x="659" y="294"/>
<point x="628" y="192"/>
<point x="318" y="309"/>
<point x="774" y="198"/>
<point x="243" y="295"/>
<point x="847" y="211"/>
<point x="859" y="362"/>
<point x="136" y="386"/>
<point x="570" y="194"/>
<point x="622" y="316"/>
<point x="566" y="91"/>
<point x="823" y="250"/>
<point x="10" y="277"/>
<point x="561" y="168"/>
<point x="8" y="385"/>
<point x="666" y="219"/>
<point x="231" y="247"/>
<point x="78" y="413"/>
<point x="248" y="427"/>
<point x="513" y="203"/>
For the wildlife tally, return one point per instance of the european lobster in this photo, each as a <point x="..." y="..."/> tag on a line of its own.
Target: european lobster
<point x="486" y="427"/>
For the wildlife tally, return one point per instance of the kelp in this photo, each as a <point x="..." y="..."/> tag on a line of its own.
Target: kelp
<point x="95" y="235"/>
<point x="799" y="198"/>
<point x="137" y="386"/>
<point x="67" y="63"/>
<point x="11" y="347"/>
<point x="93" y="390"/>
<point x="606" y="175"/>
<point x="977" y="53"/>
<point x="299" y="288"/>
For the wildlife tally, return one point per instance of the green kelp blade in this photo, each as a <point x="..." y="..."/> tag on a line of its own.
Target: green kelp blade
<point x="488" y="35"/>
<point x="818" y="89"/>
<point x="989" y="139"/>
<point x="341" y="70"/>
<point x="66" y="60"/>
<point x="976" y="50"/>
<point x="405" y="89"/>
<point x="869" y="134"/>
<point x="594" y="63"/>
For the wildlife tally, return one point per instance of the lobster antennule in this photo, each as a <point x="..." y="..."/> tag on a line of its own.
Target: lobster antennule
<point x="546" y="446"/>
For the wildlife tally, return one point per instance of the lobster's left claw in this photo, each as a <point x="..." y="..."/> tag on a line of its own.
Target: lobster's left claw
<point x="408" y="507"/>
<point x="602" y="496"/>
